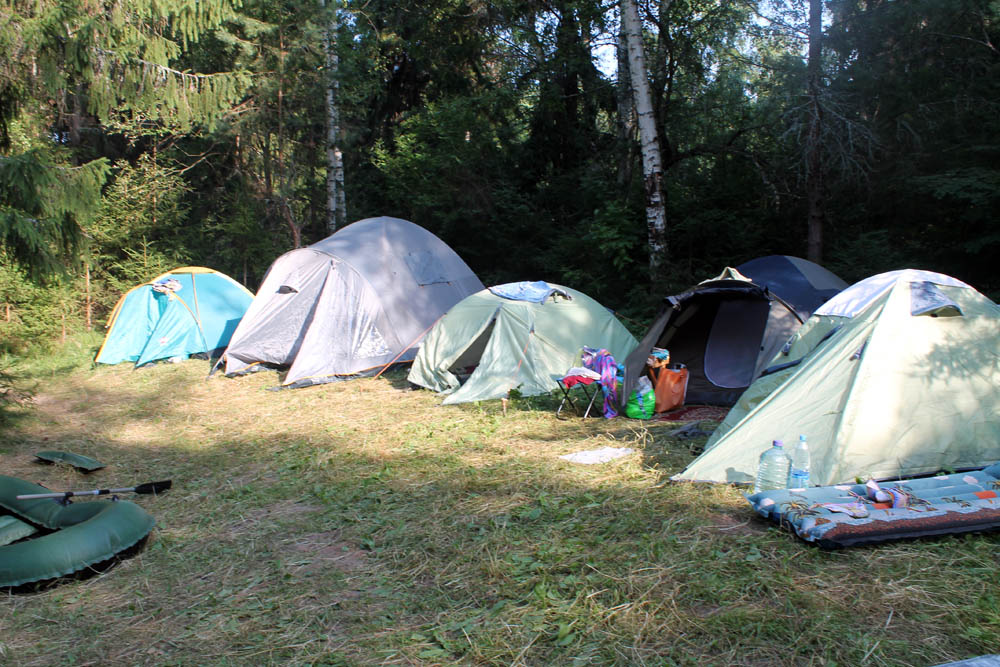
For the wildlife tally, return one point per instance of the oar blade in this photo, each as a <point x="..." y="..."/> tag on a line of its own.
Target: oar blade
<point x="154" y="487"/>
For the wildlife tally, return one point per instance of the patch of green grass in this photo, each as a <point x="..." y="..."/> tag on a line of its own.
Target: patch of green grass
<point x="362" y="523"/>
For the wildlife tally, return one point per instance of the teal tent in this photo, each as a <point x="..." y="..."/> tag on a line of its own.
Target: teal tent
<point x="190" y="310"/>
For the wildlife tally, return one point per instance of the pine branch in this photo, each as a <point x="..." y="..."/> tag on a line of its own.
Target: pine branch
<point x="163" y="68"/>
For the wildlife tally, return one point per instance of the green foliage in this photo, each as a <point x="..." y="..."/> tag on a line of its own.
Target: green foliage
<point x="451" y="152"/>
<point x="236" y="239"/>
<point x="497" y="126"/>
<point x="34" y="316"/>
<point x="43" y="201"/>
<point x="140" y="231"/>
<point x="867" y="253"/>
<point x="116" y="63"/>
<point x="71" y="65"/>
<point x="13" y="390"/>
<point x="976" y="187"/>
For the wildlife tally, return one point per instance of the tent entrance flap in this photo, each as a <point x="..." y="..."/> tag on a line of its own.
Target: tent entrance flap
<point x="734" y="342"/>
<point x="466" y="362"/>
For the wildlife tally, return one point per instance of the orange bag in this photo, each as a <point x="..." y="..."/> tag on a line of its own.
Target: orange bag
<point x="669" y="385"/>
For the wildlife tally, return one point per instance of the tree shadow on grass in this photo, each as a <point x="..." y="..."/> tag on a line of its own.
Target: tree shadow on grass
<point x="291" y="540"/>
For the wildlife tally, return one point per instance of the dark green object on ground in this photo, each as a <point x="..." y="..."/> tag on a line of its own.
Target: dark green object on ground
<point x="78" y="461"/>
<point x="84" y="533"/>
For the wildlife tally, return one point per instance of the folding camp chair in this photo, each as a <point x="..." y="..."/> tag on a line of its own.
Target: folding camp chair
<point x="587" y="381"/>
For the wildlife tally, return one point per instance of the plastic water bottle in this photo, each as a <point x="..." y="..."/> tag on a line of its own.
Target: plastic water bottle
<point x="798" y="475"/>
<point x="772" y="471"/>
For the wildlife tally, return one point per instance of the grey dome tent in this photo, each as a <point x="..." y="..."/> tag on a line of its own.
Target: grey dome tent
<point x="726" y="329"/>
<point x="350" y="304"/>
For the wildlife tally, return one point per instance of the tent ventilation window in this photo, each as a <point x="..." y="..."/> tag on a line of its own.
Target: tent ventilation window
<point x="425" y="267"/>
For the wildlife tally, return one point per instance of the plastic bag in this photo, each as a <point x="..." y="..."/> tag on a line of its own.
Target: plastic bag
<point x="642" y="403"/>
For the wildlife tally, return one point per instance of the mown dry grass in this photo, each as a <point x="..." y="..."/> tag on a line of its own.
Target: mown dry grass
<point x="363" y="523"/>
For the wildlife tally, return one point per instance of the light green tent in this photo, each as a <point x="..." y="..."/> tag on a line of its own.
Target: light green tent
<point x="501" y="344"/>
<point x="898" y="375"/>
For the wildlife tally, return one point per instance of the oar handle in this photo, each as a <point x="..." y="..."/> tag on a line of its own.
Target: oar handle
<point x="149" y="487"/>
<point x="70" y="494"/>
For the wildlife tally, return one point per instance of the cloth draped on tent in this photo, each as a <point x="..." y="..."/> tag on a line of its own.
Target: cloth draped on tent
<point x="537" y="291"/>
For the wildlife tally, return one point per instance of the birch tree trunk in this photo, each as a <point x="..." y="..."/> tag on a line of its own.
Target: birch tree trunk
<point x="652" y="163"/>
<point x="336" y="203"/>
<point x="814" y="153"/>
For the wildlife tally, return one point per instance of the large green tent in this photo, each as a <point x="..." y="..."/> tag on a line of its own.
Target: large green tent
<point x="898" y="375"/>
<point x="497" y="343"/>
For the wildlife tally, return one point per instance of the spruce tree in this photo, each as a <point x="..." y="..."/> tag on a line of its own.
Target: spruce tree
<point x="72" y="67"/>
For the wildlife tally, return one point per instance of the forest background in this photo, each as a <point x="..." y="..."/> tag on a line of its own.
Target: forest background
<point x="137" y="137"/>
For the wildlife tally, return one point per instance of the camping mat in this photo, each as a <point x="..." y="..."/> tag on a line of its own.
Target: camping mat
<point x="693" y="413"/>
<point x="846" y="515"/>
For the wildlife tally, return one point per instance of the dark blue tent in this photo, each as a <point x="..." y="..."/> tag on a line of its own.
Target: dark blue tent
<point x="726" y="329"/>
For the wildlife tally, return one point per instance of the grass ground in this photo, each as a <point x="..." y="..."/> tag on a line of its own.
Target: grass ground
<point x="363" y="523"/>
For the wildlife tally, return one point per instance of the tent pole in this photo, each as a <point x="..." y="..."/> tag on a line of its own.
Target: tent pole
<point x="406" y="348"/>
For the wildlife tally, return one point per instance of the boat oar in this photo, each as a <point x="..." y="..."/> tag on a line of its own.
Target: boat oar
<point x="149" y="487"/>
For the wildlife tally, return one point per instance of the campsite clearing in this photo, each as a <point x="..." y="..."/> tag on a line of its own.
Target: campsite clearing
<point x="364" y="523"/>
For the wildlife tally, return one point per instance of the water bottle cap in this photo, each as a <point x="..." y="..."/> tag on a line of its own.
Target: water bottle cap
<point x="802" y="438"/>
<point x="779" y="443"/>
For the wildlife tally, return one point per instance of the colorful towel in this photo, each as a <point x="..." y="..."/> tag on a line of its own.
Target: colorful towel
<point x="601" y="362"/>
<point x="573" y="380"/>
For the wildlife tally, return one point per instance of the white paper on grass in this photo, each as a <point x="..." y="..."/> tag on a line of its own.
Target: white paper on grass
<point x="602" y="455"/>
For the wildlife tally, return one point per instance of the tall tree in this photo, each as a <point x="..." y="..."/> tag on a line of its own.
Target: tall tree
<point x="336" y="202"/>
<point x="652" y="163"/>
<point x="814" y="147"/>
<point x="814" y="137"/>
<point x="925" y="76"/>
